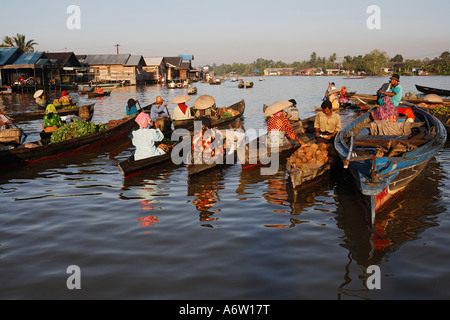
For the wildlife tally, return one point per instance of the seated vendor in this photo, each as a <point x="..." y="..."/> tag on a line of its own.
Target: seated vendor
<point x="182" y="111"/>
<point x="144" y="138"/>
<point x="52" y="121"/>
<point x="158" y="109"/>
<point x="205" y="106"/>
<point x="131" y="107"/>
<point x="279" y="122"/>
<point x="327" y="123"/>
<point x="65" y="99"/>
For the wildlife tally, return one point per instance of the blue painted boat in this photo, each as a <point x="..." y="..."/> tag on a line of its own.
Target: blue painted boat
<point x="384" y="165"/>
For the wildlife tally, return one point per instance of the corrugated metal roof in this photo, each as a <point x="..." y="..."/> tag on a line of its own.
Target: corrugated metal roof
<point x="7" y="55"/>
<point x="135" y="61"/>
<point x="106" y="59"/>
<point x="28" y="58"/>
<point x="173" y="61"/>
<point x="156" y="61"/>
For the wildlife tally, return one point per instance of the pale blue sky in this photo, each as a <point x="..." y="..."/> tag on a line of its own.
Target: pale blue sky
<point x="231" y="30"/>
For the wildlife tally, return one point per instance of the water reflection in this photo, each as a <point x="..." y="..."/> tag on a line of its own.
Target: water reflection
<point x="413" y="212"/>
<point x="148" y="186"/>
<point x="205" y="190"/>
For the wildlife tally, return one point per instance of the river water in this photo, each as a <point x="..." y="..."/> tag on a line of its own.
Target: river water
<point x="227" y="234"/>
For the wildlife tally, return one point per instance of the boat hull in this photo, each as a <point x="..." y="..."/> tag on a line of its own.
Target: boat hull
<point x="379" y="179"/>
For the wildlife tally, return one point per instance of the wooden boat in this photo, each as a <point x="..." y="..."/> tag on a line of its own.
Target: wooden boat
<point x="444" y="120"/>
<point x="382" y="165"/>
<point x="98" y="95"/>
<point x="192" y="90"/>
<point x="428" y="90"/>
<point x="305" y="174"/>
<point x="249" y="85"/>
<point x="131" y="167"/>
<point x="5" y="93"/>
<point x="38" y="115"/>
<point x="197" y="168"/>
<point x="10" y="136"/>
<point x="254" y="148"/>
<point x="370" y="100"/>
<point x="241" y="85"/>
<point x="37" y="152"/>
<point x="218" y="123"/>
<point x="354" y="78"/>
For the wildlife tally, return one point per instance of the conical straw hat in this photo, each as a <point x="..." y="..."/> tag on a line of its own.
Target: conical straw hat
<point x="181" y="99"/>
<point x="433" y="98"/>
<point x="276" y="107"/>
<point x="204" y="102"/>
<point x="38" y="93"/>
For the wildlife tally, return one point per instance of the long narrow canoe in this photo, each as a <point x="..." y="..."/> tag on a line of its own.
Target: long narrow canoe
<point x="428" y="90"/>
<point x="383" y="166"/>
<point x="37" y="115"/>
<point x="36" y="152"/>
<point x="97" y="95"/>
<point x="131" y="167"/>
<point x="370" y="99"/>
<point x="217" y="123"/>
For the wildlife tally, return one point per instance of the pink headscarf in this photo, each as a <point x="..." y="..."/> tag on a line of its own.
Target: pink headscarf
<point x="143" y="120"/>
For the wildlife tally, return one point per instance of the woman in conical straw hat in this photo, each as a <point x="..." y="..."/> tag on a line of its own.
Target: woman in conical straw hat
<point x="181" y="111"/>
<point x="278" y="123"/>
<point x="205" y="106"/>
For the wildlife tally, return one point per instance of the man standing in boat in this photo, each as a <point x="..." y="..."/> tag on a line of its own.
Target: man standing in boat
<point x="394" y="91"/>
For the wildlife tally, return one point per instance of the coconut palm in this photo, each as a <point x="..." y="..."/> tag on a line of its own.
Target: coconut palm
<point x="26" y="46"/>
<point x="19" y="42"/>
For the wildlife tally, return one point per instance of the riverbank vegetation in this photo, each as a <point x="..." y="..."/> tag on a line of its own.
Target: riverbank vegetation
<point x="375" y="63"/>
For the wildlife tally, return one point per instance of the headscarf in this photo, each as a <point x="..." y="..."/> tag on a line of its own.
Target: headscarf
<point x="143" y="120"/>
<point x="50" y="109"/>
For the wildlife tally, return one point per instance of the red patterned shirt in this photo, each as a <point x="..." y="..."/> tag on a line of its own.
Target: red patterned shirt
<point x="281" y="124"/>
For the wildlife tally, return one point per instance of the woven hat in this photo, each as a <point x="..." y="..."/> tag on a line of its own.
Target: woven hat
<point x="181" y="99"/>
<point x="333" y="92"/>
<point x="276" y="107"/>
<point x="204" y="102"/>
<point x="38" y="93"/>
<point x="433" y="98"/>
<point x="159" y="99"/>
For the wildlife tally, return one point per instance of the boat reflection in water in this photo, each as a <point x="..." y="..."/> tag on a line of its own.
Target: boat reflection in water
<point x="148" y="187"/>
<point x="404" y="221"/>
<point x="205" y="189"/>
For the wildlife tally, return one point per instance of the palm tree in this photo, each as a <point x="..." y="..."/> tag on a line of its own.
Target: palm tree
<point x="26" y="46"/>
<point x="7" y="42"/>
<point x="19" y="42"/>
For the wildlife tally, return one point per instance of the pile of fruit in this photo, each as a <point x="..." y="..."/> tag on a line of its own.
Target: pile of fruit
<point x="225" y="112"/>
<point x="442" y="109"/>
<point x="311" y="154"/>
<point x="76" y="129"/>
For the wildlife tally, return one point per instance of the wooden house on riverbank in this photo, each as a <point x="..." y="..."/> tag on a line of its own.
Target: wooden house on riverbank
<point x="27" y="71"/>
<point x="117" y="68"/>
<point x="154" y="70"/>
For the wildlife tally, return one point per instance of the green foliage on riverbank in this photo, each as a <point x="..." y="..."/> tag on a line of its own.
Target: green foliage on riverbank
<point x="373" y="63"/>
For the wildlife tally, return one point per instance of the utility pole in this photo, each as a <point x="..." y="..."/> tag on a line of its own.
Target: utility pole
<point x="117" y="46"/>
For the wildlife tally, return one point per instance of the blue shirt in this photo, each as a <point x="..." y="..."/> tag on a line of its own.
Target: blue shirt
<point x="158" y="111"/>
<point x="398" y="94"/>
<point x="133" y="110"/>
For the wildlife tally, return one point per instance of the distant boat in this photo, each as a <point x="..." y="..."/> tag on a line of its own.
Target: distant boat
<point x="192" y="90"/>
<point x="355" y="78"/>
<point x="249" y="84"/>
<point x="428" y="90"/>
